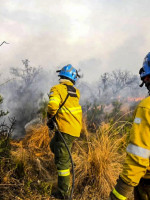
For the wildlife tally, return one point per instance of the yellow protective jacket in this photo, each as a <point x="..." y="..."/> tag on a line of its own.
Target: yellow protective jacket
<point x="69" y="117"/>
<point x="137" y="162"/>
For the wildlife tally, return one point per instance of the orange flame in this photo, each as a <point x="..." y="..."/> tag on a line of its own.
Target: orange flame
<point x="135" y="99"/>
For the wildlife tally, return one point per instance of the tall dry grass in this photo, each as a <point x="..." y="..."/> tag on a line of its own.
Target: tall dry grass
<point x="32" y="171"/>
<point x="35" y="148"/>
<point x="98" y="159"/>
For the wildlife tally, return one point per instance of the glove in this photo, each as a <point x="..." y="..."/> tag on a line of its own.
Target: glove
<point x="50" y="124"/>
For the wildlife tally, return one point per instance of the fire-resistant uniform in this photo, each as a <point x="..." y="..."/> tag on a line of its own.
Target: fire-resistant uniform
<point x="136" y="169"/>
<point x="69" y="121"/>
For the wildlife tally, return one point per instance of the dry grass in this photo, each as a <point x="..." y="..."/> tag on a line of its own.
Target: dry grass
<point x="32" y="171"/>
<point x="34" y="148"/>
<point x="98" y="160"/>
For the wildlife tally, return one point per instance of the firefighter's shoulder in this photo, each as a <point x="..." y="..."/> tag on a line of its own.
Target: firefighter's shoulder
<point x="55" y="87"/>
<point x="145" y="103"/>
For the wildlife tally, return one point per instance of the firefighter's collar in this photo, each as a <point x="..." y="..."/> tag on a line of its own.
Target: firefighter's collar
<point x="65" y="81"/>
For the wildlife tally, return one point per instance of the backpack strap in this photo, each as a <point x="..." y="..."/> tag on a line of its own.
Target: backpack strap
<point x="71" y="92"/>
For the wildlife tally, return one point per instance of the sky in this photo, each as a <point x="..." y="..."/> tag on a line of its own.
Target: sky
<point x="95" y="36"/>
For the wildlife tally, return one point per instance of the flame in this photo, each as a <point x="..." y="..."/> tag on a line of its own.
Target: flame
<point x="135" y="99"/>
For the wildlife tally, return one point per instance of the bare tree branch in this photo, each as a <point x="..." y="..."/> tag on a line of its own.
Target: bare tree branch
<point x="6" y="130"/>
<point x="7" y="81"/>
<point x="3" y="43"/>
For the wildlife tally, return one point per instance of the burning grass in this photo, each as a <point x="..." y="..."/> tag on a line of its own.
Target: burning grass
<point x="31" y="174"/>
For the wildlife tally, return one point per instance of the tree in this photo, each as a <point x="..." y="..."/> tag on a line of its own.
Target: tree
<point x="2" y="113"/>
<point x="5" y="132"/>
<point x="5" y="129"/>
<point x="112" y="84"/>
<point x="27" y="75"/>
<point x="120" y="80"/>
<point x="25" y="94"/>
<point x="105" y="81"/>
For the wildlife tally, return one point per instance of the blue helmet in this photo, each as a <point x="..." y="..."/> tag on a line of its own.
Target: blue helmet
<point x="145" y="70"/>
<point x="69" y="72"/>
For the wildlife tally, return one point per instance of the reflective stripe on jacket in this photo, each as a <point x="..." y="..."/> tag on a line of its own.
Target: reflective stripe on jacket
<point x="69" y="117"/>
<point x="137" y="162"/>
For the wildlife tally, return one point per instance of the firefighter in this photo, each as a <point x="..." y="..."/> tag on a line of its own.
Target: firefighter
<point x="136" y="169"/>
<point x="65" y="110"/>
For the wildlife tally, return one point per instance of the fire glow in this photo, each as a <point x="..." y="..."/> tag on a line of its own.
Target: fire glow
<point x="135" y="99"/>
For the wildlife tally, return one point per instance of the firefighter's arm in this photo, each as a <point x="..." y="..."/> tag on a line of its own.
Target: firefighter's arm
<point x="53" y="106"/>
<point x="54" y="102"/>
<point x="137" y="159"/>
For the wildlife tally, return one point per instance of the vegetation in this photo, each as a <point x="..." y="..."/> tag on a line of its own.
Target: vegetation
<point x="98" y="160"/>
<point x="32" y="174"/>
<point x="5" y="146"/>
<point x="24" y="91"/>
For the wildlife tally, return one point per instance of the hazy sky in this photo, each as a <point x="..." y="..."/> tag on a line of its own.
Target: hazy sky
<point x="93" y="35"/>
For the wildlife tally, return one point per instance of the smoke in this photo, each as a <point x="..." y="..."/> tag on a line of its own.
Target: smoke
<point x="22" y="95"/>
<point x="116" y="86"/>
<point x="29" y="87"/>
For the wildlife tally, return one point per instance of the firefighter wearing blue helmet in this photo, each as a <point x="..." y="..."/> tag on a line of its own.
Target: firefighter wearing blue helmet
<point x="68" y="72"/>
<point x="136" y="169"/>
<point x="64" y="110"/>
<point x="145" y="71"/>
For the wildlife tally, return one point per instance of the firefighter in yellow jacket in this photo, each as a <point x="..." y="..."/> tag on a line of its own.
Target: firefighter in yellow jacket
<point x="136" y="169"/>
<point x="65" y="110"/>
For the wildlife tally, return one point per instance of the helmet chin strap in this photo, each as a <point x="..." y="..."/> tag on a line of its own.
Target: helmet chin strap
<point x="141" y="85"/>
<point x="147" y="85"/>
